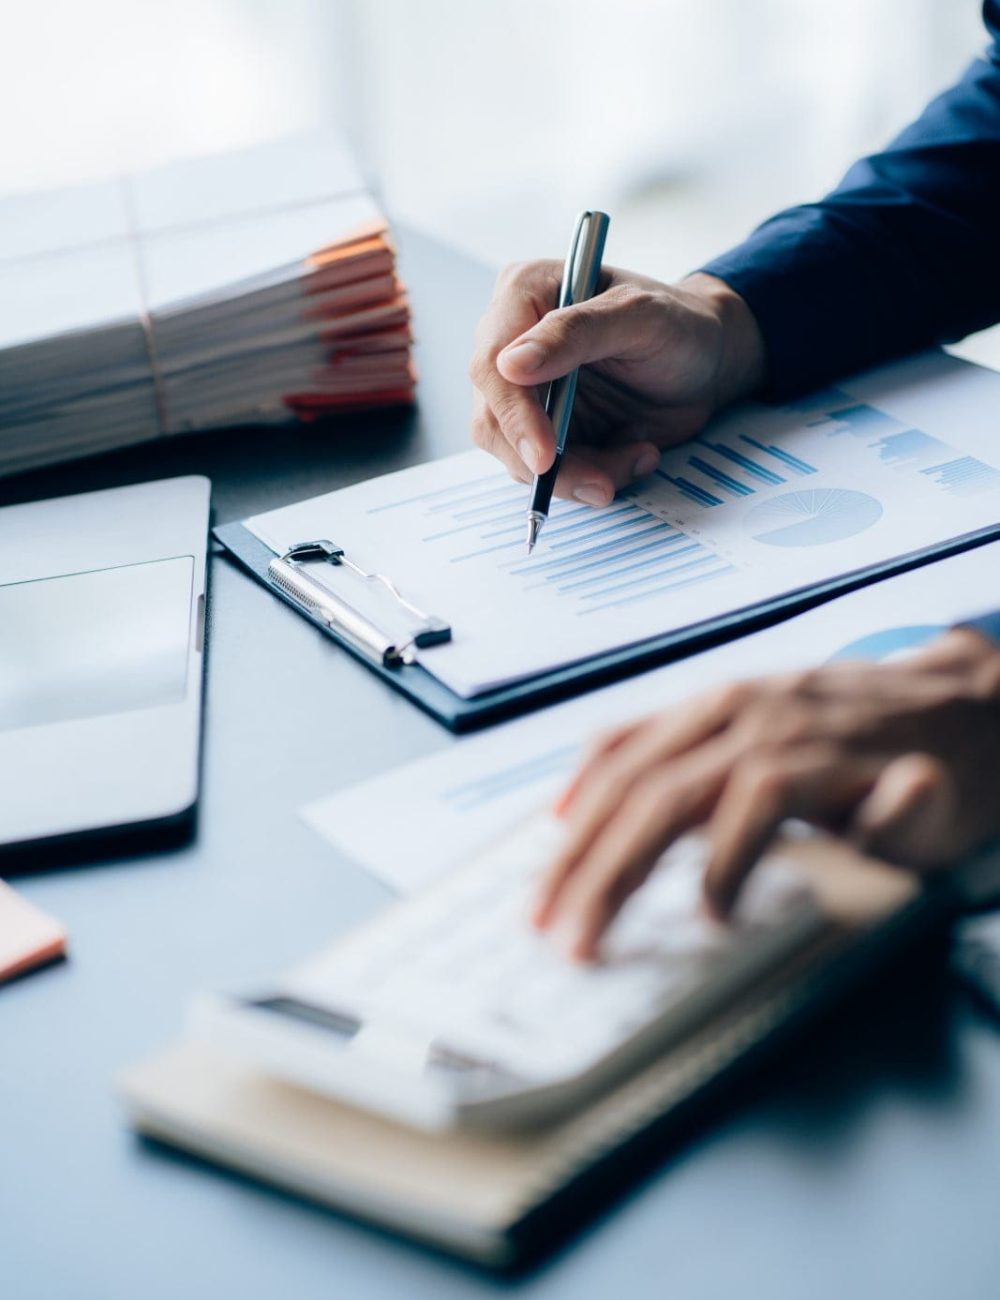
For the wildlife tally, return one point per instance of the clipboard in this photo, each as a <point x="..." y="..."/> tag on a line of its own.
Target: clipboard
<point x="387" y="644"/>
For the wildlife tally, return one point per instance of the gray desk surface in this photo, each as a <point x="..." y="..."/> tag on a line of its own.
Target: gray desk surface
<point x="867" y="1165"/>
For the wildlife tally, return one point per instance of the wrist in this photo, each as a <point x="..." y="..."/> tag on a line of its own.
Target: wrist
<point x="741" y="367"/>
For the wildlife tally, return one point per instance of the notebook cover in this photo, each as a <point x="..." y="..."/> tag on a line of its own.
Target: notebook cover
<point x="28" y="936"/>
<point x="504" y="1200"/>
<point x="459" y="714"/>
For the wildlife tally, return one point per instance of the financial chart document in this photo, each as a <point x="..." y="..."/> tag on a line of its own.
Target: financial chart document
<point x="765" y="502"/>
<point x="472" y="792"/>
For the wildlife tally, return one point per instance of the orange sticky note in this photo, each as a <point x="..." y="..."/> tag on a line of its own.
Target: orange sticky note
<point x="28" y="937"/>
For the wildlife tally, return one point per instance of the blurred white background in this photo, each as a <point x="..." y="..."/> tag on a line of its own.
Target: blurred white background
<point x="488" y="124"/>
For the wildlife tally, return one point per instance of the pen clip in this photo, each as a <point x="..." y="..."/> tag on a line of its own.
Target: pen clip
<point x="582" y="268"/>
<point x="581" y="272"/>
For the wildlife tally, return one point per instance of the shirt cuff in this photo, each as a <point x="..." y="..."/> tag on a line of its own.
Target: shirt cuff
<point x="807" y="284"/>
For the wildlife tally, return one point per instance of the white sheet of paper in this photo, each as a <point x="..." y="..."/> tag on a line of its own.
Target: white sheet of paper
<point x="444" y="807"/>
<point x="767" y="501"/>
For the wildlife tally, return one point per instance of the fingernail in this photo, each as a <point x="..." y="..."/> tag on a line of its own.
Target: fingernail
<point x="591" y="494"/>
<point x="528" y="356"/>
<point x="526" y="450"/>
<point x="646" y="463"/>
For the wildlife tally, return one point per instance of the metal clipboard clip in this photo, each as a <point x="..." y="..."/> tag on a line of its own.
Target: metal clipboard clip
<point x="402" y="627"/>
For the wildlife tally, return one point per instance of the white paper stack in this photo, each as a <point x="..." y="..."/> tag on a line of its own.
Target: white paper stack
<point x="255" y="287"/>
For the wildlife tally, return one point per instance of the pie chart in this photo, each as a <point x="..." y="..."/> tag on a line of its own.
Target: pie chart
<point x="890" y="643"/>
<point x="812" y="518"/>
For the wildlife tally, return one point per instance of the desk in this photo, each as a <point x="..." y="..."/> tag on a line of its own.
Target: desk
<point x="867" y="1166"/>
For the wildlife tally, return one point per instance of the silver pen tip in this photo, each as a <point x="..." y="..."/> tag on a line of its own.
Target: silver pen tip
<point x="534" y="523"/>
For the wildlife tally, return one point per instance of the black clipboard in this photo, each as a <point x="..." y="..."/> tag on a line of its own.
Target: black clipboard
<point x="461" y="714"/>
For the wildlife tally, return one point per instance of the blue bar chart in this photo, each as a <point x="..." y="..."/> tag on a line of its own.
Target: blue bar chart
<point x="720" y="477"/>
<point x="912" y="449"/>
<point x="794" y="463"/>
<point x="699" y="495"/>
<point x="724" y="470"/>
<point x="909" y="448"/>
<point x="862" y="421"/>
<point x="441" y="498"/>
<point x="964" y="476"/>
<point x="755" y="470"/>
<point x="590" y="558"/>
<point x="739" y="500"/>
<point x="487" y="789"/>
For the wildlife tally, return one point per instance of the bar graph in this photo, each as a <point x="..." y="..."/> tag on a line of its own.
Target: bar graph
<point x="720" y="471"/>
<point x="912" y="449"/>
<point x="661" y="583"/>
<point x="591" y="559"/>
<point x="455" y="492"/>
<point x="699" y="495"/>
<point x="487" y="789"/>
<point x="909" y="447"/>
<point x="614" y="561"/>
<point x="863" y="421"/>
<point x="720" y="477"/>
<point x="634" y="558"/>
<point x="964" y="476"/>
<point x="751" y="467"/>
<point x="794" y="463"/>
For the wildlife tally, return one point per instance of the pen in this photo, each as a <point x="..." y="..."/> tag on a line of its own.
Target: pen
<point x="579" y="282"/>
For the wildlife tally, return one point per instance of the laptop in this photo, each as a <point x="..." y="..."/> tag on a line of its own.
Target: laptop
<point x="102" y="621"/>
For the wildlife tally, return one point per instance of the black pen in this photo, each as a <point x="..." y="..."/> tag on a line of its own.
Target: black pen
<point x="580" y="276"/>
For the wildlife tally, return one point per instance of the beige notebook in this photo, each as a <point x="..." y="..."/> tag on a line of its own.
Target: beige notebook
<point x="487" y="1197"/>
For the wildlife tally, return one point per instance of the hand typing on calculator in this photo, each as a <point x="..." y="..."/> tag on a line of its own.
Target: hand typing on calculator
<point x="901" y="757"/>
<point x="446" y="1009"/>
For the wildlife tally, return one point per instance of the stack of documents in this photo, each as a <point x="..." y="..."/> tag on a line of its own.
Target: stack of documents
<point x="252" y="288"/>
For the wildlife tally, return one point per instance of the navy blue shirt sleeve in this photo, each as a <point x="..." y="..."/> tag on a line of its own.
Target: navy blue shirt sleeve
<point x="902" y="255"/>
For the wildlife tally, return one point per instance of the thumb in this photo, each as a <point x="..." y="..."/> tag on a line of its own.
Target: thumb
<point x="573" y="336"/>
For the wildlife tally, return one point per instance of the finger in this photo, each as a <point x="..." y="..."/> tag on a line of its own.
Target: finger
<point x="602" y="783"/>
<point x="814" y="782"/>
<point x="521" y="419"/>
<point x="911" y="814"/>
<point x="486" y="434"/>
<point x="667" y="803"/>
<point x="599" y="750"/>
<point x="659" y="736"/>
<point x="592" y="475"/>
<point x="671" y="732"/>
<point x="607" y="783"/>
<point x="955" y="648"/>
<point x="522" y="296"/>
<point x="615" y="324"/>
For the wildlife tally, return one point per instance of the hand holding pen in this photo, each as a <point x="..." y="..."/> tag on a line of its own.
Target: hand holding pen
<point x="579" y="284"/>
<point x="657" y="361"/>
